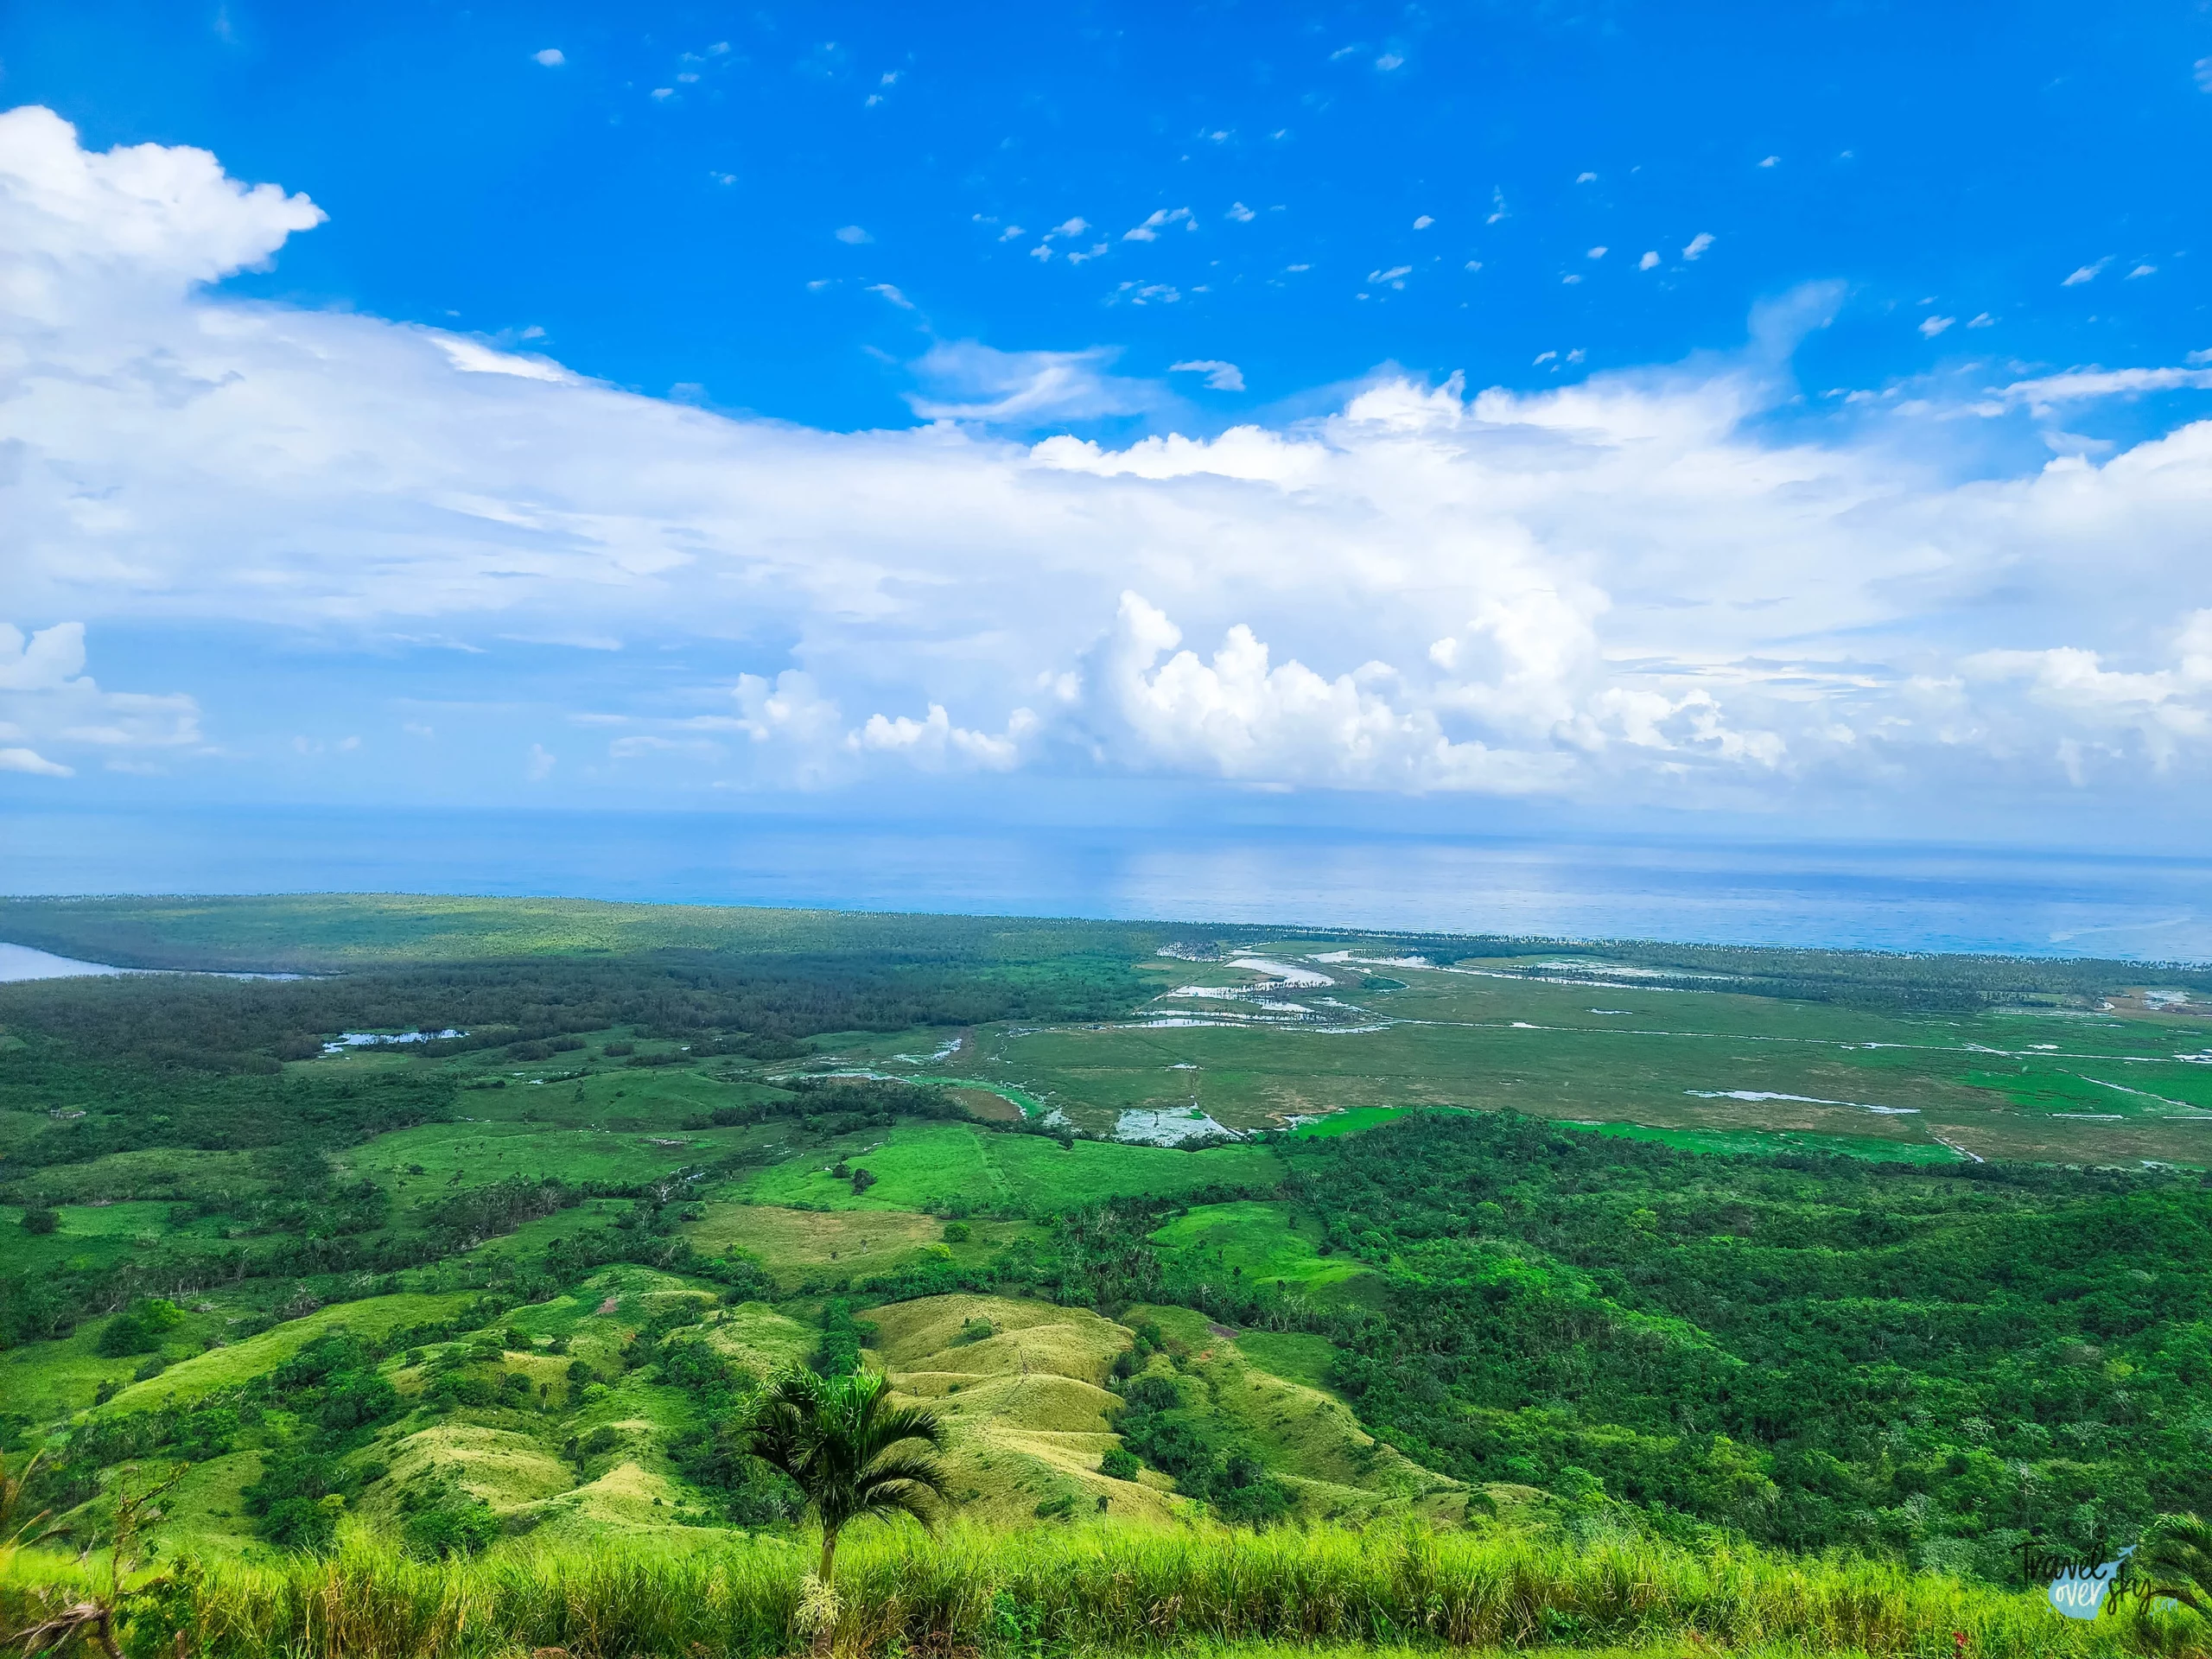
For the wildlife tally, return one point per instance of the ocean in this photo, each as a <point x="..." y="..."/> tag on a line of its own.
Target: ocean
<point x="1883" y="897"/>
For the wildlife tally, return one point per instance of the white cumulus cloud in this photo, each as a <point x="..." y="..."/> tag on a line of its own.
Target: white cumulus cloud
<point x="1634" y="588"/>
<point x="48" y="699"/>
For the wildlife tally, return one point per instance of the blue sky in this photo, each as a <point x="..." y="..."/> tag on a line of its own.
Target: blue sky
<point x="664" y="203"/>
<point x="1726" y="411"/>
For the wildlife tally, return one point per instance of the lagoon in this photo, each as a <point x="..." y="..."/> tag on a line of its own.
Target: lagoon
<point x="20" y="961"/>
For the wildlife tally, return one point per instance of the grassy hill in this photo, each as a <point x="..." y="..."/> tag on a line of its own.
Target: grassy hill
<point x="1021" y="1385"/>
<point x="1529" y="1261"/>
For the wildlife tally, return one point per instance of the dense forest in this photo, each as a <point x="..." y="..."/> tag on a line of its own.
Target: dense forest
<point x="211" y="1024"/>
<point x="1970" y="1362"/>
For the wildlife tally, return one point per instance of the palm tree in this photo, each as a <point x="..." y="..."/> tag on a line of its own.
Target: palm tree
<point x="849" y="1450"/>
<point x="2175" y="1559"/>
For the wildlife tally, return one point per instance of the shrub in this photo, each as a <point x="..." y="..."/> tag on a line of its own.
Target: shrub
<point x="1119" y="1464"/>
<point x="139" y="1327"/>
<point x="446" y="1522"/>
<point x="597" y="1444"/>
<point x="206" y="1433"/>
<point x="299" y="1497"/>
<point x="459" y="1388"/>
<point x="40" y="1220"/>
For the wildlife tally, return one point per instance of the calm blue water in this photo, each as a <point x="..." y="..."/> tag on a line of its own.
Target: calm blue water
<point x="1881" y="897"/>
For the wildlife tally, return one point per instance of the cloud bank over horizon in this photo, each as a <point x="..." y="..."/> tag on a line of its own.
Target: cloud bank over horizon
<point x="1688" y="584"/>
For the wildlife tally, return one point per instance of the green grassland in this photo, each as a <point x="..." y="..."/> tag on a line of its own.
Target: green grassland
<point x="1259" y="1243"/>
<point x="1995" y="1083"/>
<point x="1348" y="1120"/>
<point x="950" y="1164"/>
<point x="1291" y="1355"/>
<point x="803" y="1247"/>
<point x="1547" y="1255"/>
<point x="1757" y="1142"/>
<point x="1107" y="1588"/>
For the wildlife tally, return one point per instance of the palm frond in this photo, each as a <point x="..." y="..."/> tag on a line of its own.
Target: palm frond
<point x="890" y="1425"/>
<point x="2175" y="1559"/>
<point x="780" y="1435"/>
<point x="917" y="1470"/>
<point x="848" y="1448"/>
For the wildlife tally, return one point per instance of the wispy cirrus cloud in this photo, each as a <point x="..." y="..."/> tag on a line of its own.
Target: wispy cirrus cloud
<point x="1158" y="221"/>
<point x="1220" y="376"/>
<point x="969" y="381"/>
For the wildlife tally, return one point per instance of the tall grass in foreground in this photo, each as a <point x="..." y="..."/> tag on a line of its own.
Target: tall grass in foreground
<point x="1075" y="1589"/>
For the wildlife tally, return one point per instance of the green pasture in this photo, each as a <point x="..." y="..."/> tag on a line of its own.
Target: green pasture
<point x="2132" y="1090"/>
<point x="207" y="1513"/>
<point x="1350" y="1121"/>
<point x="586" y="1088"/>
<point x="925" y="1166"/>
<point x="1291" y="1355"/>
<point x="799" y="1246"/>
<point x="1666" y="1059"/>
<point x="1249" y="1077"/>
<point x="583" y="1313"/>
<point x="1258" y="1242"/>
<point x="1763" y="1143"/>
<point x="1031" y="1106"/>
<point x="95" y="1235"/>
<point x="172" y="1174"/>
<point x="453" y="1155"/>
<point x="41" y="1381"/>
